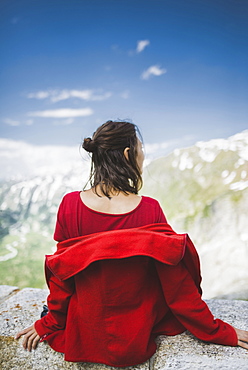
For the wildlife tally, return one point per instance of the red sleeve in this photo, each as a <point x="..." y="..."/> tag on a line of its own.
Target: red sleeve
<point x="184" y="300"/>
<point x="60" y="230"/>
<point x="161" y="217"/>
<point x="57" y="301"/>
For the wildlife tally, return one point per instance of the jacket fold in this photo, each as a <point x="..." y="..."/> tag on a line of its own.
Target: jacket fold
<point x="144" y="241"/>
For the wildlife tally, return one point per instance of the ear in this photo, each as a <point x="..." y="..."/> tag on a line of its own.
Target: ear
<point x="126" y="150"/>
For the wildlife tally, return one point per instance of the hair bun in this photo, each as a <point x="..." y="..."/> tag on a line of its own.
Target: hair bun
<point x="89" y="145"/>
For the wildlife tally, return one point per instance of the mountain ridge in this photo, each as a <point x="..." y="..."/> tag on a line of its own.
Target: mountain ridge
<point x="203" y="190"/>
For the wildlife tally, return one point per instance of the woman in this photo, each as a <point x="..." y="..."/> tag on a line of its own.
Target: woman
<point x="110" y="284"/>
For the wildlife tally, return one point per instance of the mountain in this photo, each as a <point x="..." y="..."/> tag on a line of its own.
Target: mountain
<point x="203" y="190"/>
<point x="33" y="181"/>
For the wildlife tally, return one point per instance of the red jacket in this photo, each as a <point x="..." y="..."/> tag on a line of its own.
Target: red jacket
<point x="112" y="293"/>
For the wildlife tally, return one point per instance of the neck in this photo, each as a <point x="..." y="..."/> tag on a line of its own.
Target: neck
<point x="113" y="193"/>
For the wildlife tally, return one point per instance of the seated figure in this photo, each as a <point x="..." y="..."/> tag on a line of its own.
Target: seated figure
<point x="120" y="276"/>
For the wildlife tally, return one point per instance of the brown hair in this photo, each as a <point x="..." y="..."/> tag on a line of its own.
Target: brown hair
<point x="109" y="167"/>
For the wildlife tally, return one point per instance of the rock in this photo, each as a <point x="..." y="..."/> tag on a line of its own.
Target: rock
<point x="21" y="308"/>
<point x="19" y="312"/>
<point x="6" y="290"/>
<point x="187" y="352"/>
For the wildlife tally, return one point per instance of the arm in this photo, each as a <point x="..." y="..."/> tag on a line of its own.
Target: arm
<point x="160" y="215"/>
<point x="184" y="300"/>
<point x="242" y="337"/>
<point x="60" y="232"/>
<point x="60" y="291"/>
<point x="58" y="300"/>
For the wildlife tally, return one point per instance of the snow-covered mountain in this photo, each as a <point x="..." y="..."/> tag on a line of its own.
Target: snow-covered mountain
<point x="203" y="190"/>
<point x="33" y="179"/>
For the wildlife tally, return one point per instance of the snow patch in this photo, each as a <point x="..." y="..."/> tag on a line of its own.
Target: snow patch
<point x="237" y="143"/>
<point x="185" y="162"/>
<point x="207" y="155"/>
<point x="240" y="162"/>
<point x="224" y="174"/>
<point x="229" y="178"/>
<point x="176" y="152"/>
<point x="201" y="180"/>
<point x="244" y="237"/>
<point x="243" y="174"/>
<point x="3" y="206"/>
<point x="174" y="163"/>
<point x="13" y="252"/>
<point x="198" y="167"/>
<point x="240" y="185"/>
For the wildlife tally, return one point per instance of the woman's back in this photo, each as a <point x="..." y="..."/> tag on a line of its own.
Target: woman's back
<point x="79" y="215"/>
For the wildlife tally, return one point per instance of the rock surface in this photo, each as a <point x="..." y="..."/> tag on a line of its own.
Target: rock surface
<point x="6" y="291"/>
<point x="19" y="309"/>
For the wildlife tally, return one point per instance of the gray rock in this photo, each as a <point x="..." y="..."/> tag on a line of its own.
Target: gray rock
<point x="7" y="290"/>
<point x="183" y="351"/>
<point x="19" y="312"/>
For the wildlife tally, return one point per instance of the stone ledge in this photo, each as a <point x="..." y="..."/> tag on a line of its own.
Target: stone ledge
<point x="6" y="291"/>
<point x="20" y="309"/>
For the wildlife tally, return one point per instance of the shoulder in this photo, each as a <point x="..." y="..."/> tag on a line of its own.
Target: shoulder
<point x="71" y="196"/>
<point x="150" y="201"/>
<point x="70" y="199"/>
<point x="152" y="207"/>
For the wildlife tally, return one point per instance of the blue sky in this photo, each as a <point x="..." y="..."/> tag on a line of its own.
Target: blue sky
<point x="178" y="69"/>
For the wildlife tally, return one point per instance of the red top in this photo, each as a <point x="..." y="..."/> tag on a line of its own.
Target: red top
<point x="76" y="219"/>
<point x="112" y="293"/>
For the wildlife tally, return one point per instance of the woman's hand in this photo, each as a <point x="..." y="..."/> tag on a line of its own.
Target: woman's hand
<point x="31" y="338"/>
<point x="242" y="338"/>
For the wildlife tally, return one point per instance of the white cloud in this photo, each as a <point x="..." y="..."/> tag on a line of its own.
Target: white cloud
<point x="58" y="95"/>
<point x="29" y="122"/>
<point x="62" y="113"/>
<point x="156" y="150"/>
<point x="64" y="122"/>
<point x="125" y="94"/>
<point x="11" y="122"/>
<point x="152" y="71"/>
<point x="39" y="95"/>
<point x="141" y="45"/>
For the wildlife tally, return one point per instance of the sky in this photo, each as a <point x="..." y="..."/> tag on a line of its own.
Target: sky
<point x="176" y="68"/>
